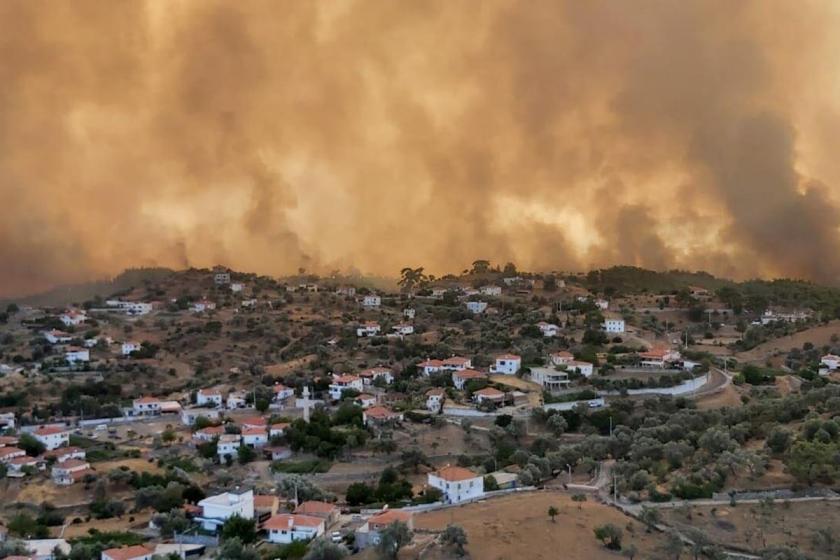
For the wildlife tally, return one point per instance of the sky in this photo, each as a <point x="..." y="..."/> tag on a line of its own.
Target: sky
<point x="373" y="134"/>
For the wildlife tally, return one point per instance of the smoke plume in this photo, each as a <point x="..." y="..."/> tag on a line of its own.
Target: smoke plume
<point x="555" y="134"/>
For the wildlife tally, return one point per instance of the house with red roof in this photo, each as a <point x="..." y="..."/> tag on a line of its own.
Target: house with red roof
<point x="372" y="374"/>
<point x="461" y="378"/>
<point x="146" y="406"/>
<point x="70" y="471"/>
<point x="457" y="484"/>
<point x="343" y="383"/>
<point x="136" y="552"/>
<point x="325" y="510"/>
<point x="489" y="395"/>
<point x="370" y="533"/>
<point x="380" y="415"/>
<point x="52" y="437"/>
<point x="288" y="527"/>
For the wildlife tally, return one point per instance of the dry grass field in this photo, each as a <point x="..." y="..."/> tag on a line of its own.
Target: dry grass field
<point x="517" y="526"/>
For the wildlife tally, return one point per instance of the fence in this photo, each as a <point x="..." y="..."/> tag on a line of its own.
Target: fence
<point x="186" y="538"/>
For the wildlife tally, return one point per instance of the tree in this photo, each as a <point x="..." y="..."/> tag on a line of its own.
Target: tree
<point x="411" y="277"/>
<point x="171" y="523"/>
<point x="31" y="445"/>
<point x="673" y="546"/>
<point x="392" y="539"/>
<point x="325" y="550"/>
<point x="359" y="494"/>
<point x="296" y="486"/>
<point x="480" y="266"/>
<point x="650" y="517"/>
<point x="557" y="424"/>
<point x="609" y="535"/>
<point x="552" y="513"/>
<point x="233" y="549"/>
<point x="236" y="527"/>
<point x="579" y="498"/>
<point x="630" y="551"/>
<point x="455" y="537"/>
<point x="246" y="454"/>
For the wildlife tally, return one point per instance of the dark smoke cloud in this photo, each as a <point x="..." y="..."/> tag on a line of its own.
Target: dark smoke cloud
<point x="269" y="136"/>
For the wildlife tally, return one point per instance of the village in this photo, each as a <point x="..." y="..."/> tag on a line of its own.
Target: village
<point x="221" y="414"/>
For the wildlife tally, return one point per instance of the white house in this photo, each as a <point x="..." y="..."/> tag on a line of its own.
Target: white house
<point x="830" y="361"/>
<point x="146" y="406"/>
<point x="370" y="328"/>
<point x="52" y="437"/>
<point x="281" y="392"/>
<point x="434" y="399"/>
<point x="57" y="337"/>
<point x="429" y="367"/>
<point x="208" y="434"/>
<point x="346" y="291"/>
<point x="550" y="379"/>
<point x="208" y="397"/>
<point x="236" y="399"/>
<point x="491" y="290"/>
<point x="215" y="510"/>
<point x="221" y="277"/>
<point x="288" y="527"/>
<point x="73" y="318"/>
<point x="237" y="287"/>
<point x="190" y="415"/>
<point x="7" y="454"/>
<point x="370" y="533"/>
<point x="136" y="552"/>
<point x="584" y="368"/>
<point x="70" y="471"/>
<point x="403" y="329"/>
<point x="457" y="484"/>
<point x="658" y="357"/>
<point x="371" y="301"/>
<point x="548" y="329"/>
<point x="507" y="364"/>
<point x="255" y="437"/>
<point x="130" y="307"/>
<point x="203" y="305"/>
<point x="129" y="347"/>
<point x="489" y="395"/>
<point x="561" y="358"/>
<point x="343" y="383"/>
<point x="64" y="454"/>
<point x="228" y="446"/>
<point x="461" y="378"/>
<point x="476" y="307"/>
<point x="76" y="355"/>
<point x="613" y="325"/>
<point x="365" y="401"/>
<point x="409" y="313"/>
<point x="370" y="375"/>
<point x="602" y="304"/>
<point x="456" y="363"/>
<point x="378" y="415"/>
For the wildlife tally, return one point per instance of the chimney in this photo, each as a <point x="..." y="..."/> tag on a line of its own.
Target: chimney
<point x="291" y="522"/>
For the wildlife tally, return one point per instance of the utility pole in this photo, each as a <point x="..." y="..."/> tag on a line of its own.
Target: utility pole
<point x="610" y="425"/>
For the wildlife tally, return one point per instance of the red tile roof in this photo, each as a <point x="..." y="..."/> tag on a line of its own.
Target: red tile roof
<point x="314" y="507"/>
<point x="388" y="517"/>
<point x="380" y="412"/>
<point x="455" y="474"/>
<point x="128" y="552"/>
<point x="280" y="522"/>
<point x="50" y="431"/>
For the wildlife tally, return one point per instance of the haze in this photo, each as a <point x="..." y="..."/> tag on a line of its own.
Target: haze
<point x="269" y="136"/>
